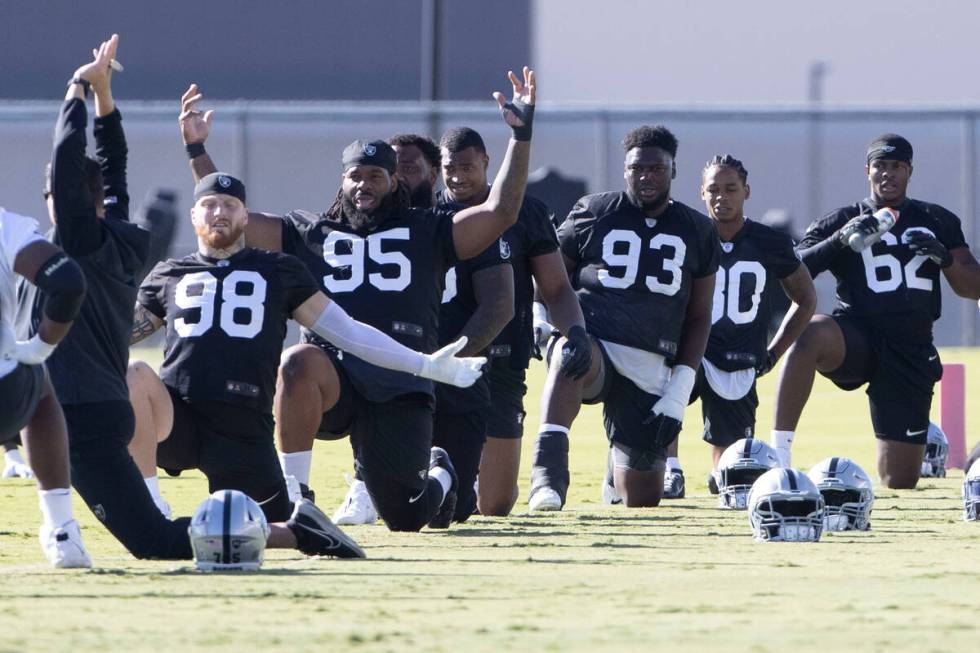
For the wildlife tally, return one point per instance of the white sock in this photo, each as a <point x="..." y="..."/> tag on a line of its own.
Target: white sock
<point x="445" y="480"/>
<point x="297" y="464"/>
<point x="673" y="463"/>
<point x="13" y="456"/>
<point x="782" y="442"/>
<point x="551" y="428"/>
<point x="55" y="506"/>
<point x="153" y="485"/>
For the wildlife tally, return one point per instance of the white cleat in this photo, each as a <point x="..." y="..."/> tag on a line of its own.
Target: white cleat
<point x="544" y="499"/>
<point x="357" y="507"/>
<point x="163" y="507"/>
<point x="610" y="496"/>
<point x="63" y="546"/>
<point x="17" y="470"/>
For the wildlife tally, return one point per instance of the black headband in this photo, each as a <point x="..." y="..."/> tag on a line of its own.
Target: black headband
<point x="375" y="153"/>
<point x="219" y="183"/>
<point x="890" y="146"/>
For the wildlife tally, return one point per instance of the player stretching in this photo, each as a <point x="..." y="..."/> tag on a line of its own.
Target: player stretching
<point x="888" y="296"/>
<point x="644" y="268"/>
<point x="755" y="261"/>
<point x="384" y="263"/>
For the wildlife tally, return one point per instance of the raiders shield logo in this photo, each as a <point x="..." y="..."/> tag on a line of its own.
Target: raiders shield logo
<point x="504" y="249"/>
<point x="370" y="150"/>
<point x="223" y="181"/>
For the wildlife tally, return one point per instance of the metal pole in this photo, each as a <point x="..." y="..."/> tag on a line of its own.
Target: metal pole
<point x="815" y="78"/>
<point x="432" y="85"/>
<point x="968" y="180"/>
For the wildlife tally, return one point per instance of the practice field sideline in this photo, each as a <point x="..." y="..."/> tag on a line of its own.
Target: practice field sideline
<point x="684" y="576"/>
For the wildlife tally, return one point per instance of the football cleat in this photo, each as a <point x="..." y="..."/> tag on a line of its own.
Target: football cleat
<point x="228" y="531"/>
<point x="544" y="499"/>
<point x="609" y="494"/>
<point x="937" y="450"/>
<point x="447" y="509"/>
<point x="316" y="535"/>
<point x="357" y="508"/>
<point x="674" y="484"/>
<point x="713" y="481"/>
<point x="971" y="493"/>
<point x="63" y="546"/>
<point x="163" y="507"/>
<point x="847" y="493"/>
<point x="740" y="465"/>
<point x="14" y="469"/>
<point x="784" y="505"/>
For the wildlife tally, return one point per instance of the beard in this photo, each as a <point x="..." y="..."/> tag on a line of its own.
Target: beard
<point x="219" y="240"/>
<point x="656" y="203"/>
<point x="421" y="196"/>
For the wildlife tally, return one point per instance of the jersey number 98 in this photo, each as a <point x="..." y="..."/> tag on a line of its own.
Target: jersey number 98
<point x="201" y="290"/>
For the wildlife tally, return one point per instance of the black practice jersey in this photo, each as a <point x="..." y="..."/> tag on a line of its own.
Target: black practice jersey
<point x="633" y="274"/>
<point x="225" y="322"/>
<point x="888" y="279"/>
<point x="749" y="271"/>
<point x="390" y="277"/>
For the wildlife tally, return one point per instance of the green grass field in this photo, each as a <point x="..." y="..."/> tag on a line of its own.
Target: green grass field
<point x="684" y="576"/>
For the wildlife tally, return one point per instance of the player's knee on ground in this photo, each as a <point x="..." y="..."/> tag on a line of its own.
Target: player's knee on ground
<point x="402" y="508"/>
<point x="899" y="464"/>
<point x="639" y="475"/>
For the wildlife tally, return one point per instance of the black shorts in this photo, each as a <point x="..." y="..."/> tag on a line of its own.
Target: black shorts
<point x="393" y="438"/>
<point x="900" y="377"/>
<point x="20" y="391"/>
<point x="505" y="415"/>
<point x="234" y="448"/>
<point x="725" y="420"/>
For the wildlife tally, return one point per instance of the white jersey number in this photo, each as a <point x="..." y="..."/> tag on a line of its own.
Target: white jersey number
<point x="884" y="272"/>
<point x="201" y="290"/>
<point x="630" y="261"/>
<point x="354" y="262"/>
<point x="728" y="292"/>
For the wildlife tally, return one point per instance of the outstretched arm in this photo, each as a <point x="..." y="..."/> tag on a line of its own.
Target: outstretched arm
<point x="476" y="227"/>
<point x="263" y="230"/>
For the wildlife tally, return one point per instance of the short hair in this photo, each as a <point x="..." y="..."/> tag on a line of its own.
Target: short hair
<point x="428" y="147"/>
<point x="727" y="161"/>
<point x="458" y="139"/>
<point x="647" y="136"/>
<point x="93" y="178"/>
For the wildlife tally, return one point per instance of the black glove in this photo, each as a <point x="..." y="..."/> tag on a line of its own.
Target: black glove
<point x="865" y="224"/>
<point x="925" y="244"/>
<point x="665" y="429"/>
<point x="766" y="364"/>
<point x="576" y="353"/>
<point x="523" y="111"/>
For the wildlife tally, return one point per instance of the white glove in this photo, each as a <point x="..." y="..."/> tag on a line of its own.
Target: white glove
<point x="32" y="352"/>
<point x="444" y="367"/>
<point x="542" y="327"/>
<point x="677" y="393"/>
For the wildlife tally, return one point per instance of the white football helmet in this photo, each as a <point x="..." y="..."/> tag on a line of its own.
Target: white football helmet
<point x="971" y="493"/>
<point x="937" y="449"/>
<point x="785" y="506"/>
<point x="847" y="494"/>
<point x="228" y="531"/>
<point x="740" y="465"/>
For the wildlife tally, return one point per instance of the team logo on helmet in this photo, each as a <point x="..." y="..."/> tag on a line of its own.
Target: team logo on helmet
<point x="224" y="181"/>
<point x="887" y="149"/>
<point x="370" y="150"/>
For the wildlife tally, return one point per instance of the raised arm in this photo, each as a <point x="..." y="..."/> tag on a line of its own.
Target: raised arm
<point x="263" y="230"/>
<point x="110" y="140"/>
<point x="476" y="227"/>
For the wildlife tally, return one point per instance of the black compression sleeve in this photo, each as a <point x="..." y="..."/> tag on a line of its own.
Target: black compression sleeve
<point x="63" y="284"/>
<point x="819" y="257"/>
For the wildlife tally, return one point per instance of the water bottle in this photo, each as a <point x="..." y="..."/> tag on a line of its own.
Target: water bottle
<point x="886" y="218"/>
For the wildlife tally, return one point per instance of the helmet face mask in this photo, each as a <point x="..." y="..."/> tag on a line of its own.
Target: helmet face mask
<point x="937" y="450"/>
<point x="742" y="463"/>
<point x="785" y="506"/>
<point x="971" y="493"/>
<point x="847" y="492"/>
<point x="228" y="532"/>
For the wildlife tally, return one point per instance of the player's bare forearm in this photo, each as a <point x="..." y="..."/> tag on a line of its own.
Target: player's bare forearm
<point x="145" y="324"/>
<point x="477" y="227"/>
<point x="493" y="289"/>
<point x="697" y="324"/>
<point x="552" y="286"/>
<point x="202" y="166"/>
<point x="799" y="289"/>
<point x="964" y="274"/>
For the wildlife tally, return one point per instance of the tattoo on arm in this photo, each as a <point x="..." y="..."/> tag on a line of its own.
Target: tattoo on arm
<point x="145" y="325"/>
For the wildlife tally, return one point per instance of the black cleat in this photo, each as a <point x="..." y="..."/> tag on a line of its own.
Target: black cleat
<point x="712" y="483"/>
<point x="674" y="484"/>
<point x="444" y="516"/>
<point x="316" y="535"/>
<point x="307" y="493"/>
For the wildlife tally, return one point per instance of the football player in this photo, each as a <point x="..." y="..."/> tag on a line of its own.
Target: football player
<point x="755" y="261"/>
<point x="888" y="296"/>
<point x="531" y="247"/>
<point x="384" y="263"/>
<point x="643" y="266"/>
<point x="26" y="396"/>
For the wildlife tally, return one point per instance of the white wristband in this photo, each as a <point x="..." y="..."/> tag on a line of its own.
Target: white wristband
<point x="34" y="351"/>
<point x="681" y="383"/>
